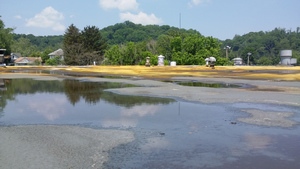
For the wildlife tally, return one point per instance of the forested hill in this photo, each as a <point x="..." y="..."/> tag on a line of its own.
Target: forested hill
<point x="264" y="46"/>
<point x="130" y="32"/>
<point x="40" y="43"/>
<point x="115" y="34"/>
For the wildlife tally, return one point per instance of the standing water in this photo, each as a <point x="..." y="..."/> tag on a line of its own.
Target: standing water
<point x="169" y="133"/>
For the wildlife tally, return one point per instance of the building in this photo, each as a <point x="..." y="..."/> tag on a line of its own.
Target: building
<point x="238" y="61"/>
<point x="286" y="58"/>
<point x="2" y="55"/>
<point x="27" y="60"/>
<point x="58" y="52"/>
<point x="14" y="56"/>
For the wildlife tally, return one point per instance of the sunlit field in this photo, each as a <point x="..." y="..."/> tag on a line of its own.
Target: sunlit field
<point x="166" y="72"/>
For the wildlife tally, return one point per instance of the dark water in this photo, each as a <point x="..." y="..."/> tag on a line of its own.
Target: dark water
<point x="205" y="84"/>
<point x="169" y="133"/>
<point x="213" y="85"/>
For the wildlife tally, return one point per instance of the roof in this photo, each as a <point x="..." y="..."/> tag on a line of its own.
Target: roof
<point x="237" y="59"/>
<point x="27" y="59"/>
<point x="58" y="52"/>
<point x="17" y="54"/>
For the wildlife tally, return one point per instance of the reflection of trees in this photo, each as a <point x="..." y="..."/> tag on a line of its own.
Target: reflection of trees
<point x="75" y="90"/>
<point x="129" y="101"/>
<point x="30" y="86"/>
<point x="89" y="91"/>
<point x="3" y="97"/>
<point x="26" y="86"/>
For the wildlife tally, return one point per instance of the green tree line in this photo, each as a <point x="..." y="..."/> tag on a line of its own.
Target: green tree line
<point x="129" y="44"/>
<point x="264" y="46"/>
<point x="184" y="48"/>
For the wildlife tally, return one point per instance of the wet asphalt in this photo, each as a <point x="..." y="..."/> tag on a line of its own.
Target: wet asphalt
<point x="213" y="128"/>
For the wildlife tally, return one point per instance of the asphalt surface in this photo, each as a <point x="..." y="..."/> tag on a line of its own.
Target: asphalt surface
<point x="47" y="146"/>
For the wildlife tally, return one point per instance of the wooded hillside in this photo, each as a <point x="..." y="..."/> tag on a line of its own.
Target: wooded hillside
<point x="264" y="46"/>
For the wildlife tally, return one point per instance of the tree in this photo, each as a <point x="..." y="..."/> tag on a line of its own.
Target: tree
<point x="92" y="40"/>
<point x="129" y="54"/>
<point x="264" y="46"/>
<point x="85" y="47"/>
<point x="264" y="61"/>
<point x="114" y="55"/>
<point x="252" y="57"/>
<point x="45" y="55"/>
<point x="6" y="37"/>
<point x="93" y="43"/>
<point x="54" y="61"/>
<point x="24" y="46"/>
<point x="163" y="46"/>
<point x="72" y="46"/>
<point x="176" y="44"/>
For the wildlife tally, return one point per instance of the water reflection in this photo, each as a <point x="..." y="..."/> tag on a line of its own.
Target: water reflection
<point x="256" y="141"/>
<point x="130" y="116"/>
<point x="51" y="99"/>
<point x="185" y="135"/>
<point x="141" y="110"/>
<point x="51" y="106"/>
<point x="212" y="85"/>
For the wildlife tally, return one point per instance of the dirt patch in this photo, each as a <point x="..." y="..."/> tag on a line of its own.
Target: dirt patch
<point x="47" y="146"/>
<point x="268" y="118"/>
<point x="290" y="90"/>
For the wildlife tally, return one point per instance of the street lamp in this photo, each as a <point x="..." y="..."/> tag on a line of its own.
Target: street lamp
<point x="227" y="47"/>
<point x="248" y="57"/>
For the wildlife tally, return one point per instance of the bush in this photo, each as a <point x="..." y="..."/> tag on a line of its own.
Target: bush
<point x="53" y="61"/>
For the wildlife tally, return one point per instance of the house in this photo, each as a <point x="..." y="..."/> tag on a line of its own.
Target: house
<point x="14" y="56"/>
<point x="58" y="52"/>
<point x="27" y="60"/>
<point x="2" y="55"/>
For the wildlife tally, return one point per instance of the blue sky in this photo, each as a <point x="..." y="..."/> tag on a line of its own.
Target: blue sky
<point x="221" y="19"/>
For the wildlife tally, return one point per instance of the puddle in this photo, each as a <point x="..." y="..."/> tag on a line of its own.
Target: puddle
<point x="169" y="133"/>
<point x="66" y="72"/>
<point x="212" y="85"/>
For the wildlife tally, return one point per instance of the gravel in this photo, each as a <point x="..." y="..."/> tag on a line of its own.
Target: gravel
<point x="49" y="146"/>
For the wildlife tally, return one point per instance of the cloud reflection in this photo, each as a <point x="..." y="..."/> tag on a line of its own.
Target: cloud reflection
<point x="50" y="107"/>
<point x="255" y="141"/>
<point x="141" y="110"/>
<point x="129" y="117"/>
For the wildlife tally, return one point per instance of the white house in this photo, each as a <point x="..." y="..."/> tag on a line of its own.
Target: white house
<point x="58" y="52"/>
<point x="27" y="60"/>
<point x="14" y="56"/>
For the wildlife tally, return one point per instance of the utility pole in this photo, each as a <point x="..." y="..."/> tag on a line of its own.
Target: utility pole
<point x="226" y="48"/>
<point x="248" y="57"/>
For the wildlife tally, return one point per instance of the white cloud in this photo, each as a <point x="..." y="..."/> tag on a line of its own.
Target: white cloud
<point x="53" y="107"/>
<point x="48" y="18"/>
<point x="140" y="111"/>
<point x="18" y="17"/>
<point x="141" y="18"/>
<point x="197" y="2"/>
<point x="122" y="5"/>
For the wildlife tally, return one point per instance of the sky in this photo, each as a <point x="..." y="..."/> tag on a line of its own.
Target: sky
<point x="222" y="19"/>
